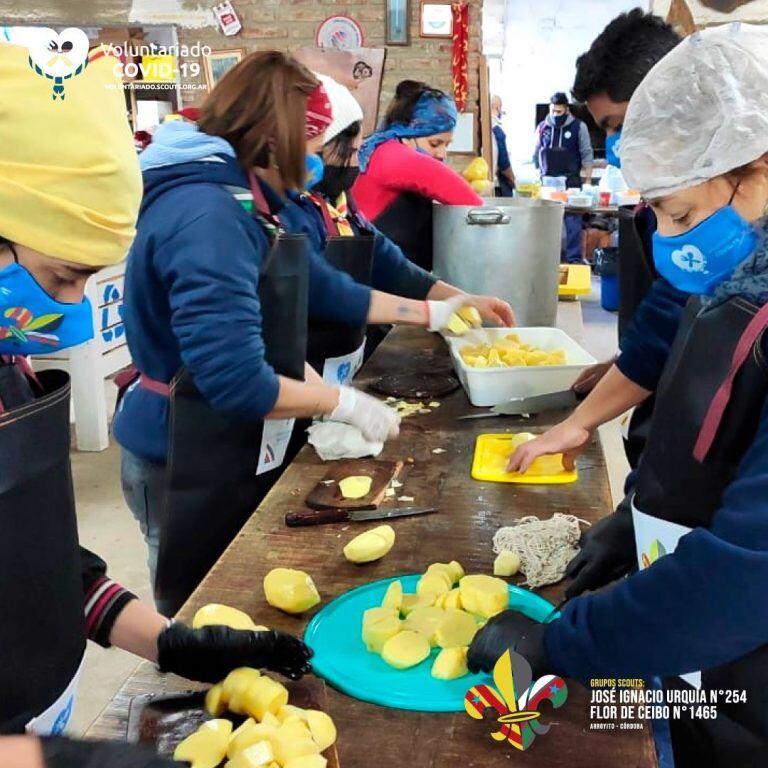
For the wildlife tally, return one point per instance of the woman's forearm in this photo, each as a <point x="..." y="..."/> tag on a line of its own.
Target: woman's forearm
<point x="613" y="395"/>
<point x="304" y="399"/>
<point x="136" y="630"/>
<point x="442" y="290"/>
<point x="386" y="308"/>
<point x="21" y="752"/>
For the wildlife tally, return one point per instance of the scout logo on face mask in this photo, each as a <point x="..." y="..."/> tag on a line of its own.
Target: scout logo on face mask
<point x="55" y="55"/>
<point x="690" y="259"/>
<point x="516" y="700"/>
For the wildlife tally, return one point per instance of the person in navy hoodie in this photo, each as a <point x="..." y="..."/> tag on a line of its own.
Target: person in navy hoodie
<point x="563" y="148"/>
<point x="695" y="143"/>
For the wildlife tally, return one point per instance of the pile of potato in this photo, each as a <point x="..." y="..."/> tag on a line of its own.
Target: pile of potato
<point x="275" y="735"/>
<point x="405" y="628"/>
<point x="509" y="352"/>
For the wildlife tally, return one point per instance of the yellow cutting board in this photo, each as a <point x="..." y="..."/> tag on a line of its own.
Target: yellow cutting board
<point x="492" y="452"/>
<point x="578" y="280"/>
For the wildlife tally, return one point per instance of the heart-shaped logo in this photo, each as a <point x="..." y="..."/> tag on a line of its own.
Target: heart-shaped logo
<point x="57" y="54"/>
<point x="690" y="259"/>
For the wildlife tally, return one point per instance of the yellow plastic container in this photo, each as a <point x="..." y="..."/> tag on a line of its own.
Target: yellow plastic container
<point x="578" y="281"/>
<point x="492" y="452"/>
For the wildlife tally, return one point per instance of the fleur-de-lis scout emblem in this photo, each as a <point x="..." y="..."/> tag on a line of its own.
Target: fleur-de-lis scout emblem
<point x="516" y="700"/>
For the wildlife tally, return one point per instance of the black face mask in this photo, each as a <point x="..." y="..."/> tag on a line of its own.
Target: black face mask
<point x="337" y="179"/>
<point x="559" y="120"/>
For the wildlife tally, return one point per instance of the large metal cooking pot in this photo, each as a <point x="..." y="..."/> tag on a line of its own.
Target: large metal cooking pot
<point x="510" y="248"/>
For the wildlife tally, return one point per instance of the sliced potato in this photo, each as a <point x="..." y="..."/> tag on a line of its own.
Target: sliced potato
<point x="435" y="583"/>
<point x="255" y="733"/>
<point x="470" y="316"/>
<point x="258" y="755"/>
<point x="379" y="624"/>
<point x="484" y="596"/>
<point x="394" y="596"/>
<point x="456" y="629"/>
<point x="410" y="602"/>
<point x="207" y="746"/>
<point x="322" y="727"/>
<point x="355" y="486"/>
<point x="214" y="703"/>
<point x="425" y="620"/>
<point x="405" y="650"/>
<point x="265" y="695"/>
<point x="307" y="761"/>
<point x="450" y="664"/>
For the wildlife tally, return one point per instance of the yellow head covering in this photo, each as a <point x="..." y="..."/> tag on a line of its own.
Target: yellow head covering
<point x="70" y="185"/>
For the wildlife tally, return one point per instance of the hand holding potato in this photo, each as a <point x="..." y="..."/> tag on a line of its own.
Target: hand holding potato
<point x="567" y="438"/>
<point x="494" y="311"/>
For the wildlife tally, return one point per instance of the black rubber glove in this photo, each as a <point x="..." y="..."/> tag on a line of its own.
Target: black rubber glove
<point x="65" y="753"/>
<point x="209" y="654"/>
<point x="509" y="630"/>
<point x="607" y="552"/>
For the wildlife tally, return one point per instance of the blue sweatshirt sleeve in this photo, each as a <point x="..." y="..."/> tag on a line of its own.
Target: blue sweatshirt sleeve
<point x="216" y="313"/>
<point x="502" y="159"/>
<point x="647" y="340"/>
<point x="394" y="273"/>
<point x="333" y="295"/>
<point x="701" y="606"/>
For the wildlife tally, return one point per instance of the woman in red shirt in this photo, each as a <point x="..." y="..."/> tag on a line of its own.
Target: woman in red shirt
<point x="402" y="169"/>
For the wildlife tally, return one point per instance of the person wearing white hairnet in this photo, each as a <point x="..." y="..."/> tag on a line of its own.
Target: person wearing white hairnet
<point x="695" y="143"/>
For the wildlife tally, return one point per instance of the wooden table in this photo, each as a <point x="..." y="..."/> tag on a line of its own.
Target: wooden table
<point x="470" y="513"/>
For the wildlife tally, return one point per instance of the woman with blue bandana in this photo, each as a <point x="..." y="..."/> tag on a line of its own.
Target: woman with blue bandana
<point x="695" y="613"/>
<point x="402" y="169"/>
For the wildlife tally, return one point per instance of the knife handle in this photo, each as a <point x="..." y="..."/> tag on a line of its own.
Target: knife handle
<point x="316" y="517"/>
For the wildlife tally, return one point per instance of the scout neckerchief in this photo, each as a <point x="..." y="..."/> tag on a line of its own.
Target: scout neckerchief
<point x="253" y="201"/>
<point x="336" y="217"/>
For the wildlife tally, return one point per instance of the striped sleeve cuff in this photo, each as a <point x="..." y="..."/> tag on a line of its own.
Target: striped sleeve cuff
<point x="103" y="603"/>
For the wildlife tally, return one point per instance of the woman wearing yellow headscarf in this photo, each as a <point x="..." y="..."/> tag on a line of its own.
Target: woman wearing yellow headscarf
<point x="69" y="199"/>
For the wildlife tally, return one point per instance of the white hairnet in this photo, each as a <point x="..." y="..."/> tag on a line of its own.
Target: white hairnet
<point x="700" y="112"/>
<point x="346" y="109"/>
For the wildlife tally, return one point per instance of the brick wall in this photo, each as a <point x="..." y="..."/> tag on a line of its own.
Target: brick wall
<point x="284" y="24"/>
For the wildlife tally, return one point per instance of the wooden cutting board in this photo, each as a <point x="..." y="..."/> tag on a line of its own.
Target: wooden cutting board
<point x="327" y="495"/>
<point x="161" y="722"/>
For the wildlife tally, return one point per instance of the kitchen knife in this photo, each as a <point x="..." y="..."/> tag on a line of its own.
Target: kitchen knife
<point x="518" y="406"/>
<point x="322" y="516"/>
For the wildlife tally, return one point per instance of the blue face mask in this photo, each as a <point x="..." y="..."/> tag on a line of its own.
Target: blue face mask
<point x="315" y="170"/>
<point x="422" y="151"/>
<point x="707" y="255"/>
<point x="32" y="323"/>
<point x="613" y="148"/>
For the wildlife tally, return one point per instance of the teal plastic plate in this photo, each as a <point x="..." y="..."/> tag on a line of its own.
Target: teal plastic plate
<point x="341" y="658"/>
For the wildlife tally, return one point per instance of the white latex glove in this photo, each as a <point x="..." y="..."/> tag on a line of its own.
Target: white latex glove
<point x="377" y="422"/>
<point x="440" y="311"/>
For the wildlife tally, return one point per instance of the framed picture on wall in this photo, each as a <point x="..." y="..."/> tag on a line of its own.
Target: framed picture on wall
<point x="398" y="22"/>
<point x="436" y="20"/>
<point x="218" y="63"/>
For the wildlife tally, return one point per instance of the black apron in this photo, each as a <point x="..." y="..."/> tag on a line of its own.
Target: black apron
<point x="692" y="455"/>
<point x="561" y="161"/>
<point x="636" y="276"/>
<point x="407" y="221"/>
<point x="212" y="486"/>
<point x="42" y="629"/>
<point x="327" y="339"/>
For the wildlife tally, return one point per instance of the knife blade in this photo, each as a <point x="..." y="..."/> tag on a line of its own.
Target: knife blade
<point x="522" y="406"/>
<point x="323" y="516"/>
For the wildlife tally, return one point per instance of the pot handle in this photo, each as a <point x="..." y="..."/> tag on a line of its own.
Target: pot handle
<point x="487" y="216"/>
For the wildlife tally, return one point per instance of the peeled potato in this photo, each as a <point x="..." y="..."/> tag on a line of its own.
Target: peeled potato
<point x="223" y="615"/>
<point x="214" y="704"/>
<point x="258" y="755"/>
<point x="290" y="590"/>
<point x="246" y="737"/>
<point x="470" y="316"/>
<point x="450" y="664"/>
<point x="265" y="695"/>
<point x="444" y="568"/>
<point x="234" y="687"/>
<point x="379" y="624"/>
<point x="452" y="599"/>
<point x="406" y="649"/>
<point x="508" y="353"/>
<point x="371" y="545"/>
<point x="456" y="629"/>
<point x="322" y="728"/>
<point x="307" y="761"/>
<point x="288" y="748"/>
<point x="484" y="596"/>
<point x="288" y="710"/>
<point x="425" y="620"/>
<point x="393" y="597"/>
<point x="207" y="746"/>
<point x="435" y="583"/>
<point x="355" y="487"/>
<point x="456" y="325"/>
<point x="411" y="602"/>
<point x="294" y="730"/>
<point x="506" y="563"/>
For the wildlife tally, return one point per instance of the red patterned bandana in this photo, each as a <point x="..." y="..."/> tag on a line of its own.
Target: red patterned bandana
<point x="319" y="112"/>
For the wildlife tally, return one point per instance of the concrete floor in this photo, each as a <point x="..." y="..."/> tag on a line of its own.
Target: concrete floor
<point x="107" y="527"/>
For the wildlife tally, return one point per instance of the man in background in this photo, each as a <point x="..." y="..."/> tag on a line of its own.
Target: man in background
<point x="563" y="148"/>
<point x="503" y="174"/>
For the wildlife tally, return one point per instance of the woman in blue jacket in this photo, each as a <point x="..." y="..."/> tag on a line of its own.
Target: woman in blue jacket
<point x="695" y="143"/>
<point x="218" y="290"/>
<point x="351" y="243"/>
